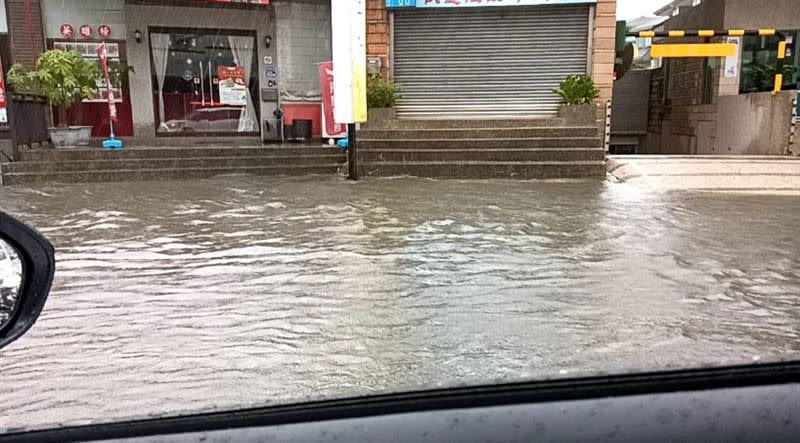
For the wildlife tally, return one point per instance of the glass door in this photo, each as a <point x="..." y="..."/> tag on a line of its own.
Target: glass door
<point x="204" y="82"/>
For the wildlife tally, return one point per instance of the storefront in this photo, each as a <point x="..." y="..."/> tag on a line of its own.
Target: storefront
<point x="200" y="68"/>
<point x="487" y="58"/>
<point x="80" y="25"/>
<point x="204" y="81"/>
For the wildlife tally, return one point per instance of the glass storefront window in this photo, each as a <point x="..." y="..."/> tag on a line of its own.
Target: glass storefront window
<point x="759" y="59"/>
<point x="204" y="81"/>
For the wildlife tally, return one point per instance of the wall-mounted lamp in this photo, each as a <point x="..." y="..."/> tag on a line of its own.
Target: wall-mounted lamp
<point x="268" y="41"/>
<point x="137" y="35"/>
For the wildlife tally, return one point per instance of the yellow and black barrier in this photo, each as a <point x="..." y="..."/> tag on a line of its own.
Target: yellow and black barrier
<point x="715" y="49"/>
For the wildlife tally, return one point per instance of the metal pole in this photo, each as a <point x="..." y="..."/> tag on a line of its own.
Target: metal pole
<point x="352" y="153"/>
<point x="607" y="133"/>
<point x="210" y="84"/>
<point x="202" y="85"/>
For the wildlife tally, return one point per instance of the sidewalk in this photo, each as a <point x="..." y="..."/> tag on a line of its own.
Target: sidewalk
<point x="751" y="174"/>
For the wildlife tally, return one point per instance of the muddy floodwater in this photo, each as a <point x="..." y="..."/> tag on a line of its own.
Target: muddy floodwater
<point x="189" y="295"/>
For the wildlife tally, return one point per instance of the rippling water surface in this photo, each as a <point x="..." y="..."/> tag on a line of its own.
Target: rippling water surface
<point x="178" y="296"/>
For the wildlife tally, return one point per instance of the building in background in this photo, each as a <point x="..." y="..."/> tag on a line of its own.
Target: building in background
<point x="643" y="45"/>
<point x="200" y="68"/>
<point x="676" y="7"/>
<point x="724" y="106"/>
<point x="489" y="59"/>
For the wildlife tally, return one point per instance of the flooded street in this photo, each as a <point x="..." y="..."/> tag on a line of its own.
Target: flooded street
<point x="235" y="291"/>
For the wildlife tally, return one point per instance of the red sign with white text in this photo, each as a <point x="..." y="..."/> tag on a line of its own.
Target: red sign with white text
<point x="67" y="30"/>
<point x="85" y="31"/>
<point x="330" y="129"/>
<point x="112" y="105"/>
<point x="3" y="102"/>
<point x="104" y="31"/>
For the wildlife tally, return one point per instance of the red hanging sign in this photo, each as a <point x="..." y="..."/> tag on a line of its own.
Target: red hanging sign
<point x="104" y="31"/>
<point x="3" y="102"/>
<point x="67" y="30"/>
<point x="112" y="105"/>
<point x="330" y="129"/>
<point x="85" y="31"/>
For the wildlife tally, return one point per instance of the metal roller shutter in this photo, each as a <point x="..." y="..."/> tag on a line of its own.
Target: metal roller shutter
<point x="487" y="62"/>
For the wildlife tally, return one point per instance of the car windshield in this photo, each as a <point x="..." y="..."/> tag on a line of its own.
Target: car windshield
<point x="277" y="201"/>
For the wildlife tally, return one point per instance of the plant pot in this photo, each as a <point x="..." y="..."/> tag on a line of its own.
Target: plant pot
<point x="380" y="117"/>
<point x="65" y="138"/>
<point x="84" y="134"/>
<point x="578" y="115"/>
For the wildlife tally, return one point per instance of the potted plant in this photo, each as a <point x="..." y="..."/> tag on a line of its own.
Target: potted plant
<point x="382" y="95"/>
<point x="65" y="78"/>
<point x="578" y="94"/>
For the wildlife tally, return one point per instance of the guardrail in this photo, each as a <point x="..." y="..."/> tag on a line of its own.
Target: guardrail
<point x="783" y="43"/>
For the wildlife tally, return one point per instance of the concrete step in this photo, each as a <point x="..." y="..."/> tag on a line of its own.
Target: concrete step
<point x="481" y="170"/>
<point x="38" y="155"/>
<point x="502" y="155"/>
<point x="487" y="143"/>
<point x="478" y="133"/>
<point x="164" y="174"/>
<point x="472" y="123"/>
<point x="171" y="163"/>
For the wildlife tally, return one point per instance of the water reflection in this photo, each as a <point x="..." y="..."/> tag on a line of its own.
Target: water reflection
<point x="175" y="296"/>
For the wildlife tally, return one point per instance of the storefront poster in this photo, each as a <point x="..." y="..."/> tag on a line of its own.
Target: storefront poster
<point x="476" y="3"/>
<point x="330" y="129"/>
<point x="3" y="103"/>
<point x="232" y="86"/>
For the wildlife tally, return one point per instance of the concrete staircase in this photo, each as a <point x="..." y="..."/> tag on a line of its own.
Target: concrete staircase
<point x="524" y="149"/>
<point x="160" y="163"/>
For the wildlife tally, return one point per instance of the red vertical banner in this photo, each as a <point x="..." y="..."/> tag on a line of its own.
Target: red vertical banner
<point x="3" y="101"/>
<point x="330" y="129"/>
<point x="112" y="105"/>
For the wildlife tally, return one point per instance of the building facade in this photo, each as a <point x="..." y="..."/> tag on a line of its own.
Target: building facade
<point x="725" y="105"/>
<point x="489" y="59"/>
<point x="197" y="68"/>
<point x="454" y="59"/>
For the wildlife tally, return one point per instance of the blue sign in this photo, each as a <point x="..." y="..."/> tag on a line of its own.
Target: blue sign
<point x="401" y="3"/>
<point x="476" y="3"/>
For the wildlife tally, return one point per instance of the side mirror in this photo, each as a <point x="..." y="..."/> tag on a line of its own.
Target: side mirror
<point x="27" y="264"/>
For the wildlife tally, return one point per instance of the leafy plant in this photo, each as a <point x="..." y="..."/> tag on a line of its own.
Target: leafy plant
<point x="381" y="92"/>
<point x="64" y="77"/>
<point x="577" y="90"/>
<point x="760" y="77"/>
<point x="118" y="73"/>
<point x="20" y="79"/>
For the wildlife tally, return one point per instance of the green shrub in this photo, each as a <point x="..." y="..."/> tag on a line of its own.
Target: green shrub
<point x="381" y="92"/>
<point x="760" y="77"/>
<point x="577" y="90"/>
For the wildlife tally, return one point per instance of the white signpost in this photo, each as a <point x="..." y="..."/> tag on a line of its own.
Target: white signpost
<point x="349" y="29"/>
<point x="349" y="35"/>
